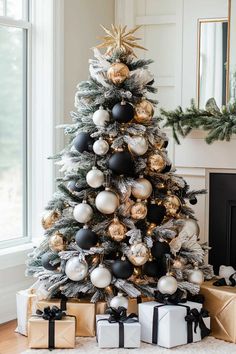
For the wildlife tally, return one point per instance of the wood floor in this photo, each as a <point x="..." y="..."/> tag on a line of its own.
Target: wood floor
<point x="11" y="342"/>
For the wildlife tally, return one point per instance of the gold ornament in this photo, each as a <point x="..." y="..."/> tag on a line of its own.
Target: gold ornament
<point x="117" y="230"/>
<point x="138" y="254"/>
<point x="49" y="219"/>
<point x="144" y="112"/>
<point x="156" y="162"/>
<point x="118" y="73"/>
<point x="57" y="243"/>
<point x="117" y="38"/>
<point x="150" y="229"/>
<point x="138" y="210"/>
<point x="142" y="188"/>
<point x="172" y="204"/>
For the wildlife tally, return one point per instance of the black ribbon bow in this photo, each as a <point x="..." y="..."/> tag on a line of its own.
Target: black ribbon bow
<point x="196" y="317"/>
<point x="222" y="281"/>
<point x="173" y="299"/>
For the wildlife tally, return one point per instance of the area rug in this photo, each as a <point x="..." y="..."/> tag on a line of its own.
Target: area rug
<point x="209" y="345"/>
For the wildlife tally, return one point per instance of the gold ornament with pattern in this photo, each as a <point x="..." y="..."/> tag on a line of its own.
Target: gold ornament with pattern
<point x="139" y="210"/>
<point x="118" y="73"/>
<point x="138" y="254"/>
<point x="117" y="230"/>
<point x="57" y="243"/>
<point x="49" y="219"/>
<point x="144" y="112"/>
<point x="172" y="204"/>
<point x="156" y="162"/>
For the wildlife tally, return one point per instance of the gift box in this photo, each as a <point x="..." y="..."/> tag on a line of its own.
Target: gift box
<point x="118" y="334"/>
<point x="133" y="303"/>
<point x="84" y="311"/>
<point x="221" y="303"/>
<point x="25" y="307"/>
<point x="172" y="325"/>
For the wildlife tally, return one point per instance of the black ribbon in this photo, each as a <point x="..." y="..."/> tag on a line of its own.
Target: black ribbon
<point x="222" y="281"/>
<point x="173" y="299"/>
<point x="196" y="317"/>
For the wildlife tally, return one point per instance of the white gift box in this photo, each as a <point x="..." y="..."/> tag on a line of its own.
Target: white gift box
<point x="108" y="333"/>
<point x="172" y="328"/>
<point x="25" y="307"/>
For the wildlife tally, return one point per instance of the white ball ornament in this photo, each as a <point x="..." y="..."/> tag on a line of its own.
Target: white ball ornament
<point x="76" y="269"/>
<point x="83" y="212"/>
<point x="196" y="277"/>
<point x="119" y="301"/>
<point x="107" y="202"/>
<point x="190" y="227"/>
<point x="167" y="284"/>
<point x="142" y="188"/>
<point x="101" y="276"/>
<point x="138" y="145"/>
<point x="100" y="147"/>
<point x="95" y="178"/>
<point x="101" y="117"/>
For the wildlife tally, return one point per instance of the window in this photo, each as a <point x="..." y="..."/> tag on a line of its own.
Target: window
<point x="14" y="49"/>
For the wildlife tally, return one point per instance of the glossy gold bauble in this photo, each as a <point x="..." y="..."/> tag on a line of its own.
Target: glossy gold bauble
<point x="172" y="204"/>
<point x="156" y="162"/>
<point x="150" y="229"/>
<point x="144" y="112"/>
<point x="138" y="211"/>
<point x="57" y="243"/>
<point x="118" y="73"/>
<point x="142" y="188"/>
<point x="117" y="230"/>
<point x="49" y="219"/>
<point x="138" y="254"/>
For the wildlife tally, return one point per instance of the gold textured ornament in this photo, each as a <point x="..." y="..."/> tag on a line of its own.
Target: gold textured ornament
<point x="156" y="162"/>
<point x="57" y="242"/>
<point x="150" y="229"/>
<point x="144" y="112"/>
<point x="139" y="210"/>
<point x="172" y="204"/>
<point x="49" y="219"/>
<point x="117" y="230"/>
<point x="138" y="254"/>
<point x="118" y="73"/>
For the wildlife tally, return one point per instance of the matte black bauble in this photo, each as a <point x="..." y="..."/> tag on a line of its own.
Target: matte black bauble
<point x="73" y="187"/>
<point x="123" y="112"/>
<point x="121" y="163"/>
<point x="193" y="200"/>
<point x="83" y="142"/>
<point x="156" y="213"/>
<point x="86" y="238"/>
<point x="122" y="269"/>
<point x="167" y="168"/>
<point x="159" y="249"/>
<point x="151" y="269"/>
<point x="47" y="258"/>
<point x="165" y="144"/>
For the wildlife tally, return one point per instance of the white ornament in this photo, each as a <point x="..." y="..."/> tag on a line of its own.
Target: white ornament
<point x="190" y="228"/>
<point x="100" y="147"/>
<point x="196" y="277"/>
<point x="101" y="117"/>
<point x="83" y="212"/>
<point x="107" y="202"/>
<point x="119" y="301"/>
<point x="76" y="269"/>
<point x="95" y="178"/>
<point x="138" y="145"/>
<point x="101" y="277"/>
<point x="167" y="285"/>
<point x="226" y="271"/>
<point x="142" y="188"/>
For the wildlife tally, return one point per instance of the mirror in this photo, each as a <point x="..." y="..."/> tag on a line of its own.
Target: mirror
<point x="212" y="68"/>
<point x="232" y="50"/>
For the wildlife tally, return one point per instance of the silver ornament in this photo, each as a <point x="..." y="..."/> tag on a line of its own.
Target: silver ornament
<point x="196" y="276"/>
<point x="100" y="147"/>
<point x="83" y="212"/>
<point x="76" y="269"/>
<point x="142" y="188"/>
<point x="95" y="178"/>
<point x="101" y="277"/>
<point x="190" y="227"/>
<point x="138" y="145"/>
<point x="138" y="254"/>
<point x="119" y="301"/>
<point x="107" y="202"/>
<point x="101" y="117"/>
<point x="167" y="284"/>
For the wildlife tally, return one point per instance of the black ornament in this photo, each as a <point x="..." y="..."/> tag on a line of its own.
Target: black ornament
<point x="166" y="169"/>
<point x="47" y="258"/>
<point x="159" y="249"/>
<point x="83" y="142"/>
<point x="86" y="238"/>
<point x="165" y="144"/>
<point x="121" y="163"/>
<point x="152" y="269"/>
<point x="123" y="112"/>
<point x="156" y="213"/>
<point x="73" y="187"/>
<point x="193" y="200"/>
<point x="122" y="269"/>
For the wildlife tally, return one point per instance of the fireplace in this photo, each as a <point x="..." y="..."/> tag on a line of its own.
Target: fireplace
<point x="222" y="219"/>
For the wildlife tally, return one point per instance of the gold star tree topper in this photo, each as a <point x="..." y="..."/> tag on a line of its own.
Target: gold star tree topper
<point x="118" y="38"/>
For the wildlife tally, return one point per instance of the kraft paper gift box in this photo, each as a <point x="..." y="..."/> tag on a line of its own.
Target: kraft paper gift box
<point x="166" y="326"/>
<point x="117" y="335"/>
<point x="25" y="307"/>
<point x="51" y="334"/>
<point x="221" y="304"/>
<point x="84" y="311"/>
<point x="133" y="303"/>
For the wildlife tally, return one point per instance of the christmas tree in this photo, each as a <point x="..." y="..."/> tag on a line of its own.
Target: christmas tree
<point x="120" y="210"/>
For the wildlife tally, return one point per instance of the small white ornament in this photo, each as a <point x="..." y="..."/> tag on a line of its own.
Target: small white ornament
<point x="138" y="145"/>
<point x="100" y="147"/>
<point x="95" y="178"/>
<point x="83" y="212"/>
<point x="142" y="188"/>
<point x="101" y="117"/>
<point x="107" y="202"/>
<point x="119" y="301"/>
<point x="196" y="277"/>
<point x="101" y="277"/>
<point x="76" y="269"/>
<point x="167" y="284"/>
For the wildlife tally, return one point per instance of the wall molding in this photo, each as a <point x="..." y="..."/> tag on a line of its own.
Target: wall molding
<point x="156" y="20"/>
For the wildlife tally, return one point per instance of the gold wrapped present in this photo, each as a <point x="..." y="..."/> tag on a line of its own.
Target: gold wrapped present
<point x="84" y="311"/>
<point x="133" y="303"/>
<point x="25" y="306"/>
<point x="221" y="304"/>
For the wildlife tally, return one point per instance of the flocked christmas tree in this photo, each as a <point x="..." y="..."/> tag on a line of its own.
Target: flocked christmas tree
<point x="120" y="209"/>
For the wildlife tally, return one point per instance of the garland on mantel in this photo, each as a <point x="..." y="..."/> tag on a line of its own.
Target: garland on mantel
<point x="220" y="123"/>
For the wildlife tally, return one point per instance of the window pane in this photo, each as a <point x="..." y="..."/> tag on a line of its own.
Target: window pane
<point x="14" y="8"/>
<point x="12" y="143"/>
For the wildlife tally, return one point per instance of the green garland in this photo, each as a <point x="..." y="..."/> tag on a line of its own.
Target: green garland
<point x="220" y="123"/>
